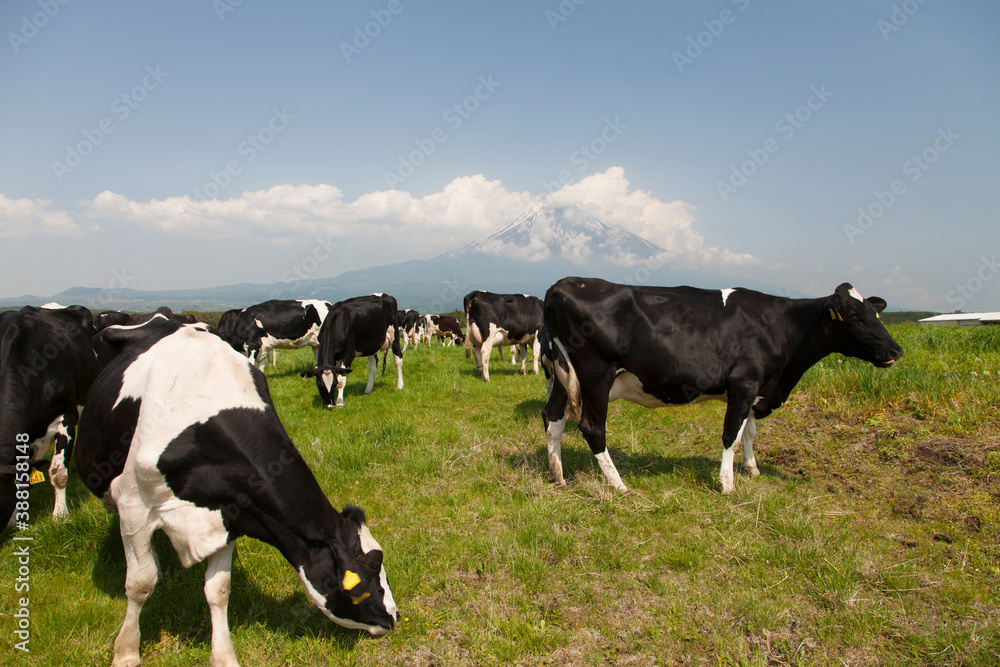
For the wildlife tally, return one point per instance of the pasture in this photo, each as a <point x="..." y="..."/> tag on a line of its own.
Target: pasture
<point x="872" y="536"/>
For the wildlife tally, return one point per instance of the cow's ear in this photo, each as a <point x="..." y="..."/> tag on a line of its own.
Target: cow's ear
<point x="877" y="303"/>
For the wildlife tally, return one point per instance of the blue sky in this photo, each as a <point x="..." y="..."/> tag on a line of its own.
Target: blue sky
<point x="185" y="144"/>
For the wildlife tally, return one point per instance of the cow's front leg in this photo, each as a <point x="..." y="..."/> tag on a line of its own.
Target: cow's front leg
<point x="749" y="434"/>
<point x="733" y="428"/>
<point x="58" y="475"/>
<point x="522" y="353"/>
<point x="372" y="367"/>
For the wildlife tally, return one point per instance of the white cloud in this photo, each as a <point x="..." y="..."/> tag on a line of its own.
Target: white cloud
<point x="24" y="217"/>
<point x="404" y="226"/>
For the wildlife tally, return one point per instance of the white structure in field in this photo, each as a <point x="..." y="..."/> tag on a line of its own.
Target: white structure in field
<point x="961" y="319"/>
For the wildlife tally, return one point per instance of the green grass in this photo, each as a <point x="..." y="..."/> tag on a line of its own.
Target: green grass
<point x="872" y="536"/>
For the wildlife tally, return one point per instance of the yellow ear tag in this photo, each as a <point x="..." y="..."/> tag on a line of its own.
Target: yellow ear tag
<point x="840" y="317"/>
<point x="360" y="598"/>
<point x="350" y="581"/>
<point x="36" y="477"/>
<point x="833" y="315"/>
<point x="877" y="316"/>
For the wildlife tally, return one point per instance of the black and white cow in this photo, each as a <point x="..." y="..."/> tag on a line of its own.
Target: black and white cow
<point x="227" y="324"/>
<point x="180" y="434"/>
<point x="110" y="317"/>
<point x="411" y="326"/>
<point x="445" y="327"/>
<point x="47" y="365"/>
<point x="503" y="319"/>
<point x="362" y="326"/>
<point x="279" y="324"/>
<point x="659" y="346"/>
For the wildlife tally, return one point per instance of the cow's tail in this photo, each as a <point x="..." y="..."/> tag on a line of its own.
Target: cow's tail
<point x="560" y="366"/>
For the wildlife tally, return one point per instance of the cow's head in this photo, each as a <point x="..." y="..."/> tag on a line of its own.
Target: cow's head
<point x="346" y="578"/>
<point x="328" y="380"/>
<point x="858" y="330"/>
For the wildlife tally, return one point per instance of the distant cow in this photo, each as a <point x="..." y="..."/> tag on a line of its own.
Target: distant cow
<point x="227" y="324"/>
<point x="110" y="317"/>
<point x="279" y="324"/>
<point x="503" y="319"/>
<point x="181" y="435"/>
<point x="411" y="325"/>
<point x="659" y="346"/>
<point x="362" y="326"/>
<point x="47" y="365"/>
<point x="445" y="327"/>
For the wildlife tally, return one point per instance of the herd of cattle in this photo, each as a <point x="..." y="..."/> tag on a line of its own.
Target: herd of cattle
<point x="180" y="433"/>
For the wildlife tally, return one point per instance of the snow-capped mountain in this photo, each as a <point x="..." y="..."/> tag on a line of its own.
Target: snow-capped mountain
<point x="551" y="233"/>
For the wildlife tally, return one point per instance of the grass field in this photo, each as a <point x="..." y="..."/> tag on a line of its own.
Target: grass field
<point x="872" y="536"/>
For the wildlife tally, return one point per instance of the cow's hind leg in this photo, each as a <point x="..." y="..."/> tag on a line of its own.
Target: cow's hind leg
<point x="593" y="425"/>
<point x="554" y="419"/>
<point x="140" y="576"/>
<point x="217" y="577"/>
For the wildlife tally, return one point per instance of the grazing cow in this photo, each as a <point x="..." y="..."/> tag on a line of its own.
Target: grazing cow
<point x="227" y="324"/>
<point x="47" y="365"/>
<point x="410" y="326"/>
<point x="279" y="324"/>
<point x="503" y="319"/>
<point x="180" y="434"/>
<point x="362" y="326"/>
<point x="444" y="327"/>
<point x="659" y="346"/>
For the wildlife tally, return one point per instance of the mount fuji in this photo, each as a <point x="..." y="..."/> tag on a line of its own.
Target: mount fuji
<point x="525" y="256"/>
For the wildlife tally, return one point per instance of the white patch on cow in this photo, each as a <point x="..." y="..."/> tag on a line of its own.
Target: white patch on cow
<point x="725" y="294"/>
<point x="628" y="386"/>
<point x="185" y="378"/>
<point x="610" y="471"/>
<point x="857" y="295"/>
<point x="368" y="543"/>
<point x="327" y="378"/>
<point x="379" y="294"/>
<point x="320" y="601"/>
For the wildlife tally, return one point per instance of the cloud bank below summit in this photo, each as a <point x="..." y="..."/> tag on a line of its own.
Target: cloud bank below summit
<point x="467" y="208"/>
